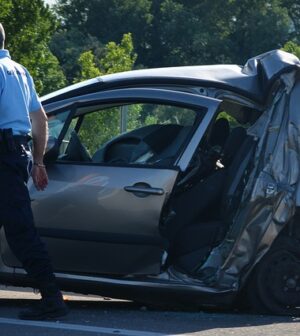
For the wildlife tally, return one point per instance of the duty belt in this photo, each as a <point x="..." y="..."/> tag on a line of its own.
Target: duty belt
<point x="10" y="143"/>
<point x="22" y="139"/>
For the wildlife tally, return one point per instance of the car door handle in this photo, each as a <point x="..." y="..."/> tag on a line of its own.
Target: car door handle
<point x="143" y="190"/>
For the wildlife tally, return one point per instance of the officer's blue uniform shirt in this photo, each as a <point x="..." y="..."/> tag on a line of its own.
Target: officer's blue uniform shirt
<point x="18" y="97"/>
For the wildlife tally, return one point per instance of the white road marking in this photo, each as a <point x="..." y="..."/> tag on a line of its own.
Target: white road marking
<point x="79" y="327"/>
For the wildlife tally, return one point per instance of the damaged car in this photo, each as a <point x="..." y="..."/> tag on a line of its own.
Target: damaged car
<point x="175" y="185"/>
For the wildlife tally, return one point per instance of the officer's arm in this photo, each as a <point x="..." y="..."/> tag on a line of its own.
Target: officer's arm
<point x="39" y="138"/>
<point x="39" y="123"/>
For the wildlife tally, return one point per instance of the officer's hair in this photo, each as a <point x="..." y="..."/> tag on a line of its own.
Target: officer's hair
<point x="2" y="36"/>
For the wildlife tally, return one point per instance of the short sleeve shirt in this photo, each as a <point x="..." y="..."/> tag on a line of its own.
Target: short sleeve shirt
<point x="18" y="96"/>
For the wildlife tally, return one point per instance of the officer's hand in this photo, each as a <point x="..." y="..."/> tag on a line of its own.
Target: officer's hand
<point x="39" y="177"/>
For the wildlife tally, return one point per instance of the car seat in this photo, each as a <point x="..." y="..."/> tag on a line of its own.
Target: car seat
<point x="219" y="133"/>
<point x="208" y="227"/>
<point x="205" y="189"/>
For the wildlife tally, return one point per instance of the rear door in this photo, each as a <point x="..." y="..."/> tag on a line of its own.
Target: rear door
<point x="119" y="156"/>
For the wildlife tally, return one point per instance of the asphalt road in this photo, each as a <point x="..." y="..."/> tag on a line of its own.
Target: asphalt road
<point x="99" y="316"/>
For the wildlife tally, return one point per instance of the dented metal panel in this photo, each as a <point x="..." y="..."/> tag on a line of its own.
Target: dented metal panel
<point x="271" y="194"/>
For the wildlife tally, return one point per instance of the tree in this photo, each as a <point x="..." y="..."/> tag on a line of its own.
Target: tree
<point x="29" y="25"/>
<point x="88" y="67"/>
<point x="292" y="48"/>
<point x="106" y="20"/>
<point x="218" y="31"/>
<point x="258" y="26"/>
<point x="68" y="44"/>
<point x="184" y="32"/>
<point x="116" y="58"/>
<point x="100" y="127"/>
<point x="293" y="9"/>
<point x="119" y="57"/>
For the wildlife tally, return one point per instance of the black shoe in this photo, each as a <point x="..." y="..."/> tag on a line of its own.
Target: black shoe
<point x="45" y="309"/>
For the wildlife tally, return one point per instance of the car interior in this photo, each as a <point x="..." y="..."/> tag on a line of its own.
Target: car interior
<point x="152" y="143"/>
<point x="215" y="182"/>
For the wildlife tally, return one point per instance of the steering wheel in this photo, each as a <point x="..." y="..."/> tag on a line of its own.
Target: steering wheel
<point x="122" y="150"/>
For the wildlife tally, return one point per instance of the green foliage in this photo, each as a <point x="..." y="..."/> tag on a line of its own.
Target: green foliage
<point x="103" y="125"/>
<point x="258" y="26"/>
<point x="184" y="32"/>
<point x="293" y="9"/>
<point x="100" y="127"/>
<point x="68" y="45"/>
<point x="292" y="48"/>
<point x="88" y="67"/>
<point x="103" y="20"/>
<point x="6" y="7"/>
<point x="116" y="58"/>
<point x="203" y="32"/>
<point x="97" y="128"/>
<point x="120" y="57"/>
<point x="29" y="25"/>
<point x="115" y="17"/>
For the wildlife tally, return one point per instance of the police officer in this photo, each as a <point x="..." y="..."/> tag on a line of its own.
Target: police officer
<point x="18" y="105"/>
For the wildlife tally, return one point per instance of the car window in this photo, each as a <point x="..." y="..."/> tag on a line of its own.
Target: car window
<point x="55" y="125"/>
<point x="101" y="126"/>
<point x="140" y="133"/>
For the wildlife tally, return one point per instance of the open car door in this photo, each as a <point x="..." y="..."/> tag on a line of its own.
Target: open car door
<point x="120" y="152"/>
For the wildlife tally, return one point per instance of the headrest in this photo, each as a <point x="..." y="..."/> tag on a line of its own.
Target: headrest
<point x="219" y="132"/>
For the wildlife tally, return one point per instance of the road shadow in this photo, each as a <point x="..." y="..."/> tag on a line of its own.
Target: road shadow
<point x="130" y="315"/>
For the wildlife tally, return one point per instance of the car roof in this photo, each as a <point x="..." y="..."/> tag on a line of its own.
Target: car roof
<point x="252" y="80"/>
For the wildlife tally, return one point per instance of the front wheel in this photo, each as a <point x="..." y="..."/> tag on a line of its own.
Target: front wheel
<point x="274" y="285"/>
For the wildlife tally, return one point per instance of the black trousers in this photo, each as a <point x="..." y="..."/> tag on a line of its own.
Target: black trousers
<point x="16" y="215"/>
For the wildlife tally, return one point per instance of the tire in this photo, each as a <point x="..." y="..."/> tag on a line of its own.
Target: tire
<point x="274" y="285"/>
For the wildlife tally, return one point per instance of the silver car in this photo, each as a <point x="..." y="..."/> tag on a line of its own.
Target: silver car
<point x="175" y="185"/>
